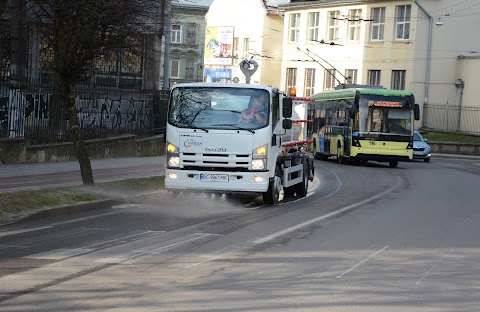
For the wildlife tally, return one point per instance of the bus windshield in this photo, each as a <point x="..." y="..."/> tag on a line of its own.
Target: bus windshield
<point x="219" y="108"/>
<point x="386" y="116"/>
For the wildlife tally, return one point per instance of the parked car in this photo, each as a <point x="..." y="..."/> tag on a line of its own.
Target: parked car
<point x="421" y="149"/>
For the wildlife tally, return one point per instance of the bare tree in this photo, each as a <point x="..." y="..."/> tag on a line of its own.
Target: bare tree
<point x="79" y="32"/>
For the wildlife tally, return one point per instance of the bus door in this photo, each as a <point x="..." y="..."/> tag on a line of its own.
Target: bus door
<point x="328" y="129"/>
<point x="347" y="131"/>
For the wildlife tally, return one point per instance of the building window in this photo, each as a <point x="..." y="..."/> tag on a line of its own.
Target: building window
<point x="378" y="24"/>
<point x="354" y="19"/>
<point x="333" y="25"/>
<point x="329" y="79"/>
<point x="235" y="51"/>
<point x="291" y="79"/>
<point x="176" y="34"/>
<point x="402" y="25"/>
<point x="351" y="75"/>
<point x="191" y="34"/>
<point x="294" y="31"/>
<point x="313" y="25"/>
<point x="246" y="48"/>
<point x="373" y="77"/>
<point x="189" y="69"/>
<point x="398" y="79"/>
<point x="175" y="69"/>
<point x="309" y="82"/>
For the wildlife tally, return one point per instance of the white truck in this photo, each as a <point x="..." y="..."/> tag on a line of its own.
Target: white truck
<point x="212" y="149"/>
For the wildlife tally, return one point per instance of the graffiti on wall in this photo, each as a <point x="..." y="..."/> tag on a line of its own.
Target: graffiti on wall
<point x="113" y="113"/>
<point x="109" y="112"/>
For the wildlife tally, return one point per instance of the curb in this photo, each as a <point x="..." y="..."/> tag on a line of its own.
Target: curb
<point x="64" y="210"/>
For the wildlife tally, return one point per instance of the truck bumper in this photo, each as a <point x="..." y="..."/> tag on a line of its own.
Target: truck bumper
<point x="231" y="182"/>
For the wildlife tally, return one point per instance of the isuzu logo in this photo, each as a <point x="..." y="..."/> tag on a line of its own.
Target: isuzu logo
<point x="215" y="149"/>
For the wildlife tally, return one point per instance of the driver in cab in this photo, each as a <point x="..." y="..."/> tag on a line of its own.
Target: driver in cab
<point x="255" y="112"/>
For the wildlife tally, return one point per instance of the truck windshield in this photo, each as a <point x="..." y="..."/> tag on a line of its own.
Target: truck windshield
<point x="219" y="108"/>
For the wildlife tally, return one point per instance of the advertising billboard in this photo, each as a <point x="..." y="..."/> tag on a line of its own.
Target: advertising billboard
<point x="219" y="45"/>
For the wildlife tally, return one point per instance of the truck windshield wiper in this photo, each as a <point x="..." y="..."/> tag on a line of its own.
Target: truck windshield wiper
<point x="198" y="128"/>
<point x="234" y="126"/>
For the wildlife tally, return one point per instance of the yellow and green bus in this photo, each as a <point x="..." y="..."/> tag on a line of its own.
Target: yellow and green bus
<point x="362" y="124"/>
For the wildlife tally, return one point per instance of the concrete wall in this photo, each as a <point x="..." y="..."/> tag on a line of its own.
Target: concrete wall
<point x="15" y="151"/>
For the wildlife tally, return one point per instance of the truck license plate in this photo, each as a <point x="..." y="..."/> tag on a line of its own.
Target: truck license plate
<point x="213" y="177"/>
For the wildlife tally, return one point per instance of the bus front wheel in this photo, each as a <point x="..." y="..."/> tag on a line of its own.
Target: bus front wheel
<point x="393" y="163"/>
<point x="340" y="158"/>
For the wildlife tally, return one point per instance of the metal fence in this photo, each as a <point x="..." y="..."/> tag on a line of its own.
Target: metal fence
<point x="33" y="111"/>
<point x="452" y="118"/>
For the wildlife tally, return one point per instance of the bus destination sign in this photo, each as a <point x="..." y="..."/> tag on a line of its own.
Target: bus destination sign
<point x="384" y="103"/>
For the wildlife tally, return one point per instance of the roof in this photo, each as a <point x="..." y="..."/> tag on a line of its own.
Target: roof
<point x="351" y="92"/>
<point x="193" y="3"/>
<point x="317" y="3"/>
<point x="275" y="3"/>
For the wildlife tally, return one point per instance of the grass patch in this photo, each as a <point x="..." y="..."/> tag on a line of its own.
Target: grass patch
<point x="450" y="137"/>
<point x="18" y="202"/>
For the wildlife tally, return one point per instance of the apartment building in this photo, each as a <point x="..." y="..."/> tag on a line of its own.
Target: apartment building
<point x="429" y="47"/>
<point x="187" y="38"/>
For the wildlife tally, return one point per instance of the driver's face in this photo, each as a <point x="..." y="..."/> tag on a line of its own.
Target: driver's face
<point x="256" y="103"/>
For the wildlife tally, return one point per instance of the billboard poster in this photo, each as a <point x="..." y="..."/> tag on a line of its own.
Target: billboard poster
<point x="219" y="45"/>
<point x="217" y="75"/>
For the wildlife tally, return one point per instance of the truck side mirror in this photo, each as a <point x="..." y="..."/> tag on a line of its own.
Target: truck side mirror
<point x="287" y="108"/>
<point x="287" y="124"/>
<point x="416" y="111"/>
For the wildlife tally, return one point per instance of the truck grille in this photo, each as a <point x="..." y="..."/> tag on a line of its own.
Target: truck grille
<point x="215" y="162"/>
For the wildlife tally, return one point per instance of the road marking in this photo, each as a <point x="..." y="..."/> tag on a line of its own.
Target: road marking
<point x="62" y="253"/>
<point x="221" y="253"/>
<point x="20" y="231"/>
<point x="361" y="262"/>
<point x="328" y="215"/>
<point x="59" y="254"/>
<point x="433" y="267"/>
<point x="156" y="249"/>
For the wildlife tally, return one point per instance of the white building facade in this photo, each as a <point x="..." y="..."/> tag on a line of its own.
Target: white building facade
<point x="429" y="47"/>
<point x="243" y="30"/>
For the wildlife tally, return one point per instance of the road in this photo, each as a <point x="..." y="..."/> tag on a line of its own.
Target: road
<point x="364" y="239"/>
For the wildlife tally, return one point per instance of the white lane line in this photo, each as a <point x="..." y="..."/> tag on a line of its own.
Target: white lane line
<point x="62" y="253"/>
<point x="13" y="246"/>
<point x="433" y="267"/>
<point x="14" y="232"/>
<point x="127" y="238"/>
<point x="218" y="254"/>
<point x="59" y="254"/>
<point x="361" y="262"/>
<point x="328" y="215"/>
<point x="155" y="249"/>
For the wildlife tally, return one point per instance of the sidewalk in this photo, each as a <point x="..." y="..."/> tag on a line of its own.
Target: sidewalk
<point x="41" y="175"/>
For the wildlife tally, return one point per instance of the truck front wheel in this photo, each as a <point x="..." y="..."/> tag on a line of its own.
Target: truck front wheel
<point x="272" y="195"/>
<point x="302" y="188"/>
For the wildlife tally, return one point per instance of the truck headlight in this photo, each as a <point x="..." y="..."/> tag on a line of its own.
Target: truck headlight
<point x="173" y="157"/>
<point x="258" y="164"/>
<point x="259" y="158"/>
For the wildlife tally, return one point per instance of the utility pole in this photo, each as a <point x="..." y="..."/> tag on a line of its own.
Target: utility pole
<point x="167" y="37"/>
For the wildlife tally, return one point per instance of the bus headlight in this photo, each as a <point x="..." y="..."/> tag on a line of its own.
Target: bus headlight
<point x="173" y="157"/>
<point x="259" y="158"/>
